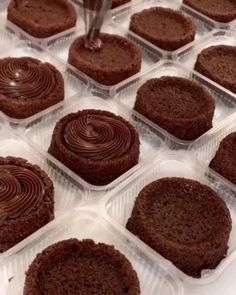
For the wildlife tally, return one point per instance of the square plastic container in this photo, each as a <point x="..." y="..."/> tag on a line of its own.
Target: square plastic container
<point x="188" y="56"/>
<point x="224" y="102"/>
<point x="39" y="131"/>
<point x="119" y="203"/>
<point x="73" y="84"/>
<point x="67" y="195"/>
<point x="206" y="147"/>
<point x="122" y="17"/>
<point x="150" y="56"/>
<point x="83" y="224"/>
<point x="20" y="33"/>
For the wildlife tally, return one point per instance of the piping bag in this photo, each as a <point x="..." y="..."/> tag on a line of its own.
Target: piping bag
<point x="95" y="12"/>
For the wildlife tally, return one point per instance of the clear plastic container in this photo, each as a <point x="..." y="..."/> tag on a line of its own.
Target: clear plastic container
<point x="122" y="16"/>
<point x="21" y="34"/>
<point x="188" y="56"/>
<point x="67" y="195"/>
<point x="150" y="55"/>
<point x="153" y="273"/>
<point x="119" y="203"/>
<point x="206" y="147"/>
<point x="224" y="102"/>
<point x="39" y="131"/>
<point x="73" y="83"/>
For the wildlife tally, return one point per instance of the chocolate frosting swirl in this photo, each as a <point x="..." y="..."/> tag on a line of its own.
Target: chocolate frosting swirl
<point x="21" y="190"/>
<point x="98" y="137"/>
<point x="25" y="78"/>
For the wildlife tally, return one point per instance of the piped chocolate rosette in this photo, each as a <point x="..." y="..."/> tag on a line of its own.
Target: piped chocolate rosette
<point x="97" y="145"/>
<point x="26" y="200"/>
<point x="28" y="86"/>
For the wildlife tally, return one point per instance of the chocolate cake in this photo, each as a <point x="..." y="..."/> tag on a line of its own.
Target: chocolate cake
<point x="81" y="267"/>
<point x="28" y="86"/>
<point x="42" y="18"/>
<point x="183" y="220"/>
<point x="118" y="59"/>
<point x="224" y="161"/>
<point x="97" y="145"/>
<point x="180" y="106"/>
<point x="116" y="3"/>
<point x="164" y="27"/>
<point x="26" y="200"/>
<point x="218" y="63"/>
<point x="219" y="10"/>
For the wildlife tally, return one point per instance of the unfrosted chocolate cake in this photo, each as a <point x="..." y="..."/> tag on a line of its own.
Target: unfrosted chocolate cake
<point x="183" y="220"/>
<point x="26" y="200"/>
<point x="224" y="161"/>
<point x="28" y="86"/>
<point x="97" y="145"/>
<point x="42" y="18"/>
<point x="81" y="267"/>
<point x="180" y="106"/>
<point x="220" y="10"/>
<point x="164" y="27"/>
<point x="218" y="63"/>
<point x="118" y="59"/>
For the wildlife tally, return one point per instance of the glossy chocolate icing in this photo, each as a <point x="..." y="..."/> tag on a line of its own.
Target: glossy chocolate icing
<point x="25" y="78"/>
<point x="21" y="190"/>
<point x="97" y="137"/>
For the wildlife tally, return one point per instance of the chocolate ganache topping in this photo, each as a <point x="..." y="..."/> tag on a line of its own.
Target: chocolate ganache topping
<point x="20" y="191"/>
<point x="25" y="78"/>
<point x="98" y="137"/>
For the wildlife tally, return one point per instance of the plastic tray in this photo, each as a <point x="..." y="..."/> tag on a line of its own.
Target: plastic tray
<point x="122" y="16"/>
<point x="67" y="195"/>
<point x="149" y="55"/>
<point x="225" y="102"/>
<point x="40" y="130"/>
<point x="205" y="148"/>
<point x="21" y="34"/>
<point x="73" y="84"/>
<point x="83" y="224"/>
<point x="188" y="55"/>
<point x="119" y="203"/>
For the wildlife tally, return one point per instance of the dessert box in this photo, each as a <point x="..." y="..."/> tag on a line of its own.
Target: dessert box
<point x="122" y="15"/>
<point x="154" y="274"/>
<point x="73" y="84"/>
<point x="39" y="132"/>
<point x="150" y="55"/>
<point x="68" y="193"/>
<point x="188" y="55"/>
<point x="225" y="102"/>
<point x="118" y="204"/>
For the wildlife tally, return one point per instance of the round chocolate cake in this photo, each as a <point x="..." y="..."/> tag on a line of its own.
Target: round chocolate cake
<point x="219" y="10"/>
<point x="164" y="27"/>
<point x="26" y="200"/>
<point x="42" y="18"/>
<point x="180" y="106"/>
<point x="81" y="267"/>
<point x="97" y="145"/>
<point x="224" y="161"/>
<point x="218" y="63"/>
<point x="28" y="86"/>
<point x="118" y="59"/>
<point x="183" y="220"/>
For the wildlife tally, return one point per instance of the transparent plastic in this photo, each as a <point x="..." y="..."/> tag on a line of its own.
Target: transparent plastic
<point x="83" y="224"/>
<point x="67" y="195"/>
<point x="119" y="203"/>
<point x="39" y="131"/>
<point x="21" y="34"/>
<point x="224" y="102"/>
<point x="150" y="55"/>
<point x="122" y="16"/>
<point x="73" y="83"/>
